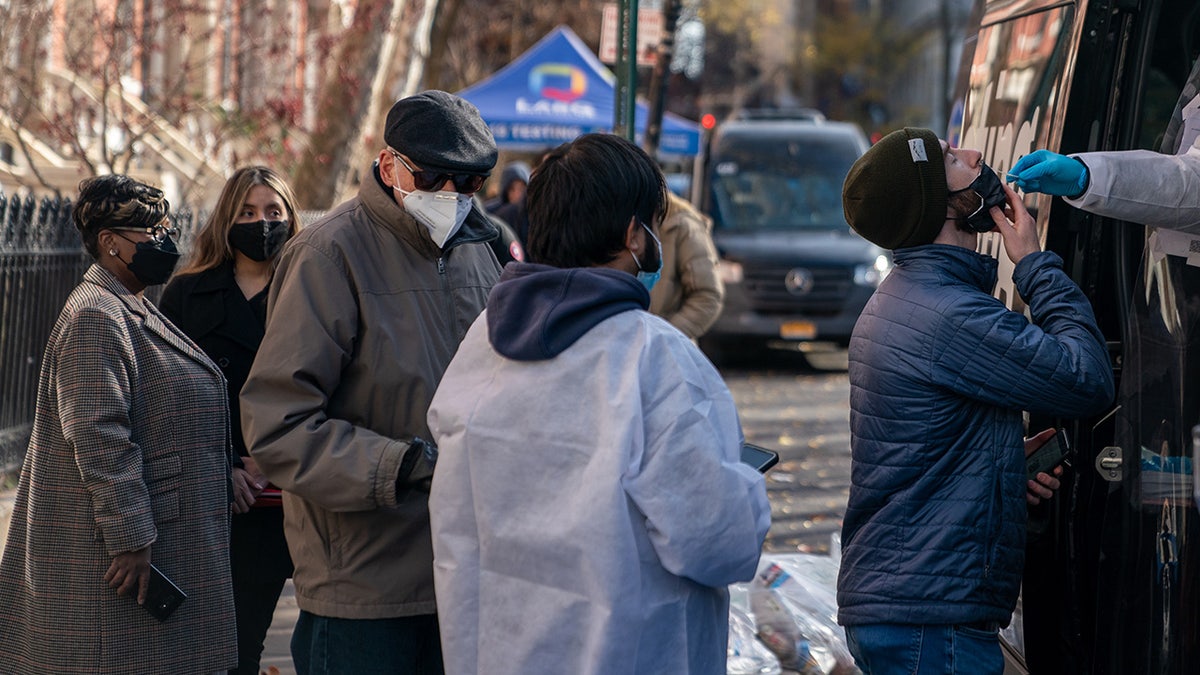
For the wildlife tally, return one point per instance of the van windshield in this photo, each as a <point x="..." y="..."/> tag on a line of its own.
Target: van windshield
<point x="767" y="183"/>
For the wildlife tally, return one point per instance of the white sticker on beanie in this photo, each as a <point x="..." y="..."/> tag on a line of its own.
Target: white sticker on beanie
<point x="916" y="146"/>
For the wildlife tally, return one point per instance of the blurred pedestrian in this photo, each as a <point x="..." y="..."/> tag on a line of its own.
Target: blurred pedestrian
<point x="509" y="204"/>
<point x="365" y="310"/>
<point x="219" y="299"/>
<point x="589" y="505"/>
<point x="690" y="293"/>
<point x="940" y="372"/>
<point x="507" y="246"/>
<point x="128" y="465"/>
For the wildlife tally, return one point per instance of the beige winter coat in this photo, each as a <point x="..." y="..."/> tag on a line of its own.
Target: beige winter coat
<point x="690" y="294"/>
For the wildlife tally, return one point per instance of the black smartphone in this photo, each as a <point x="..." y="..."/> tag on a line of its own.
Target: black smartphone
<point x="162" y="596"/>
<point x="1056" y="451"/>
<point x="759" y="458"/>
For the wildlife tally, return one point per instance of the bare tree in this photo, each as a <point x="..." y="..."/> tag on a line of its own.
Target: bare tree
<point x="858" y="57"/>
<point x="371" y="67"/>
<point x="134" y="86"/>
<point x="473" y="40"/>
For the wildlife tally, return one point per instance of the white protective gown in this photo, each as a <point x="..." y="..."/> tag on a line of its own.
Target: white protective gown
<point x="1145" y="187"/>
<point x="588" y="510"/>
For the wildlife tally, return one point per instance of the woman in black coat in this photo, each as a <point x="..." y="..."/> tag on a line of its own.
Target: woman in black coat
<point x="220" y="300"/>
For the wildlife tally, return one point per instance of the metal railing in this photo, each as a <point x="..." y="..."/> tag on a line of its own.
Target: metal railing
<point x="42" y="259"/>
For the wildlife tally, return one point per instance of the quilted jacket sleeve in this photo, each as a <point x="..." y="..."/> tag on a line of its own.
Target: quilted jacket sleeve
<point x="702" y="291"/>
<point x="1055" y="364"/>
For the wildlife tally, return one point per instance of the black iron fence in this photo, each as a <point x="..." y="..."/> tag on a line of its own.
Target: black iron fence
<point x="41" y="260"/>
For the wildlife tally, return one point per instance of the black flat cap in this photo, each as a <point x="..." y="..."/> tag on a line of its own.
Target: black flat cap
<point x="441" y="132"/>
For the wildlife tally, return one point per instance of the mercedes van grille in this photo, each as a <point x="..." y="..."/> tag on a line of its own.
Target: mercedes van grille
<point x="769" y="293"/>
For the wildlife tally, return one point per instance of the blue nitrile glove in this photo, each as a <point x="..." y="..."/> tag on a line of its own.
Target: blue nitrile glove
<point x="1051" y="173"/>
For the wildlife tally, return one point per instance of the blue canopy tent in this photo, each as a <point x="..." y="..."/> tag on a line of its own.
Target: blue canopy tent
<point x="558" y="90"/>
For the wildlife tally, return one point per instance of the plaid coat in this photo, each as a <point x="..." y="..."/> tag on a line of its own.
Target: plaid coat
<point x="129" y="448"/>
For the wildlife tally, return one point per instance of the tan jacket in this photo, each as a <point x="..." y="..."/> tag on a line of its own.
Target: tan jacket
<point x="364" y="315"/>
<point x="690" y="293"/>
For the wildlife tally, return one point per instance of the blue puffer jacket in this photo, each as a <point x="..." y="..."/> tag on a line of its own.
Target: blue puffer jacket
<point x="939" y="374"/>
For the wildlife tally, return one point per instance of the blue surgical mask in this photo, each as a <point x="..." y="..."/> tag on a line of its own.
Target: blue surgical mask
<point x="648" y="279"/>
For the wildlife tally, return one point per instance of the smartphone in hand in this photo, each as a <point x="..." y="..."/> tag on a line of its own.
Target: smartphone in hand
<point x="759" y="458"/>
<point x="163" y="597"/>
<point x="1053" y="453"/>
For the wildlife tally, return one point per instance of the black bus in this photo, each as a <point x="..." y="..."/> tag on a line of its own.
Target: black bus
<point x="1112" y="579"/>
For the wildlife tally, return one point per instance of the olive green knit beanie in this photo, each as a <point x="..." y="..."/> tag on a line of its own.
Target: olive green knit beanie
<point x="895" y="194"/>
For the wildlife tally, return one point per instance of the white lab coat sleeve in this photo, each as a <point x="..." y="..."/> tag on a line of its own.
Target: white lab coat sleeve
<point x="1144" y="187"/>
<point x="706" y="513"/>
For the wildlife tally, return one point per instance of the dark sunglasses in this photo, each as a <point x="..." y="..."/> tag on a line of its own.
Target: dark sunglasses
<point x="432" y="181"/>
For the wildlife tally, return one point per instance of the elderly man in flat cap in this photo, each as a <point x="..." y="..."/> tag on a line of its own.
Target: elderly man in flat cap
<point x="940" y="371"/>
<point x="366" y="309"/>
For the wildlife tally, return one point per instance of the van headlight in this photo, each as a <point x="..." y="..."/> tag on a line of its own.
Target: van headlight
<point x="873" y="275"/>
<point x="729" y="271"/>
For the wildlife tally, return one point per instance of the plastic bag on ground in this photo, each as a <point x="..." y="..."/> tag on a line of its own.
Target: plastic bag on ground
<point x="794" y="608"/>
<point x="746" y="655"/>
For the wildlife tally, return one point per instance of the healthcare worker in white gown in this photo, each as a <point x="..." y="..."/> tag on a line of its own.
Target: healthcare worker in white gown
<point x="588" y="506"/>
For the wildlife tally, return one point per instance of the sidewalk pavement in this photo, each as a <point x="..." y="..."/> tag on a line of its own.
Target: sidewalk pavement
<point x="7" y="497"/>
<point x="276" y="658"/>
<point x="277" y="652"/>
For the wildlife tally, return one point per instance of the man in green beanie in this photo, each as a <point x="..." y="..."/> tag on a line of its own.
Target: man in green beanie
<point x="940" y="371"/>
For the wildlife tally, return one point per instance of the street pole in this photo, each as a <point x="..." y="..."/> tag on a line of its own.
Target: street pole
<point x="624" y="105"/>
<point x="660" y="77"/>
<point x="943" y="96"/>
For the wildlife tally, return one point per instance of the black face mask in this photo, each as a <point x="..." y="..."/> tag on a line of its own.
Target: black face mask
<point x="152" y="263"/>
<point x="259" y="240"/>
<point x="991" y="193"/>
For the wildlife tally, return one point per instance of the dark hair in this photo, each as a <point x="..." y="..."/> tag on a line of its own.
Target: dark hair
<point x="115" y="201"/>
<point x="962" y="203"/>
<point x="582" y="196"/>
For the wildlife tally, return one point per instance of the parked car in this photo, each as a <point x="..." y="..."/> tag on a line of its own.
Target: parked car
<point x="796" y="276"/>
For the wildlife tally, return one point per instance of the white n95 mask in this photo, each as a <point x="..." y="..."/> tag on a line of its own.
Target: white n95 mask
<point x="442" y="212"/>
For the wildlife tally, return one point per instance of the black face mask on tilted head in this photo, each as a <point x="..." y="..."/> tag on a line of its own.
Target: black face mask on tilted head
<point x="991" y="193"/>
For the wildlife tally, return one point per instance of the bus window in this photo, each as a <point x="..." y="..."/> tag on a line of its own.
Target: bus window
<point x="1011" y="104"/>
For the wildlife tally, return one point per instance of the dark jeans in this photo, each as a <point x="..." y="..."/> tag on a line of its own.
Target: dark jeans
<point x="327" y="646"/>
<point x="260" y="566"/>
<point x="891" y="649"/>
